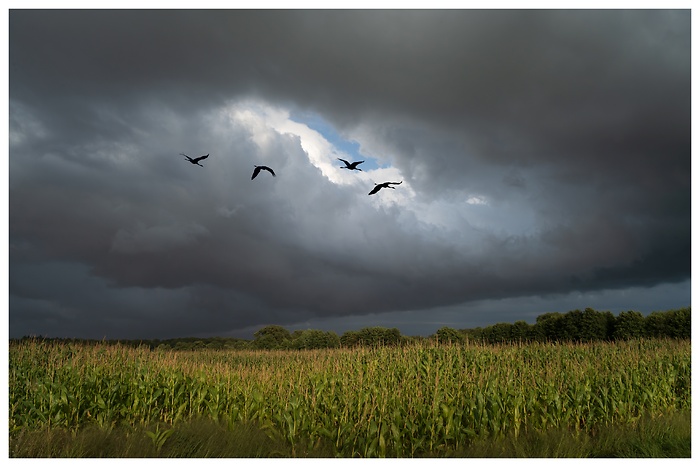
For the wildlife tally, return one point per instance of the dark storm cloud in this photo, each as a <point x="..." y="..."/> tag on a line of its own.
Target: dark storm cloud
<point x="552" y="147"/>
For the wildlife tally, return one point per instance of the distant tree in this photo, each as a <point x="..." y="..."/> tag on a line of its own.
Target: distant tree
<point x="392" y="336"/>
<point x="198" y="344"/>
<point x="330" y="340"/>
<point x="237" y="344"/>
<point x="655" y="324"/>
<point x="473" y="334"/>
<point x="570" y="326"/>
<point x="678" y="323"/>
<point x="628" y="325"/>
<point x="371" y="336"/>
<point x="609" y="325"/>
<point x="379" y="336"/>
<point x="521" y="332"/>
<point x="276" y="332"/>
<point x="593" y="326"/>
<point x="537" y="333"/>
<point x="548" y="326"/>
<point x="271" y="337"/>
<point x="182" y="345"/>
<point x="350" y="339"/>
<point x="315" y="339"/>
<point x="296" y="334"/>
<point x="447" y="335"/>
<point x="499" y="333"/>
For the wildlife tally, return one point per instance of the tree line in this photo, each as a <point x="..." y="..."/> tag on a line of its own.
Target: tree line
<point x="573" y="326"/>
<point x="580" y="326"/>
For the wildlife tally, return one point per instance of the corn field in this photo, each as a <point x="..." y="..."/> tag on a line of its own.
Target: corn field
<point x="391" y="401"/>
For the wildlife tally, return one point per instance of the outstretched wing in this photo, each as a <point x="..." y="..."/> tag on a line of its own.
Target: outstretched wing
<point x="396" y="183"/>
<point x="355" y="164"/>
<point x="270" y="170"/>
<point x="201" y="158"/>
<point x="255" y="172"/>
<point x="347" y="164"/>
<point x="375" y="189"/>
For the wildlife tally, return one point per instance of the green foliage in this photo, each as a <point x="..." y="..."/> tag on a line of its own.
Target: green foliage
<point x="159" y="437"/>
<point x="655" y="324"/>
<point x="665" y="436"/>
<point x="501" y="332"/>
<point x="573" y="326"/>
<point x="315" y="339"/>
<point x="588" y="326"/>
<point x="520" y="332"/>
<point x="446" y="335"/>
<point x="350" y="339"/>
<point x="678" y="323"/>
<point x="628" y="325"/>
<point x="549" y="327"/>
<point x="363" y="402"/>
<point x="195" y="438"/>
<point x="271" y="337"/>
<point x="377" y="336"/>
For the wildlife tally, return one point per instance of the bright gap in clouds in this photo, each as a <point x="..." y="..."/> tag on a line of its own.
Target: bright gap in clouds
<point x="460" y="217"/>
<point x="348" y="150"/>
<point x="456" y="213"/>
<point x="322" y="144"/>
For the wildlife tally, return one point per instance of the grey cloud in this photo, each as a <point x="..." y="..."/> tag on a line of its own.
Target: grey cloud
<point x="571" y="128"/>
<point x="156" y="238"/>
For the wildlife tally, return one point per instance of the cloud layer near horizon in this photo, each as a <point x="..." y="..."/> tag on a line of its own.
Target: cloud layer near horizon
<point x="542" y="152"/>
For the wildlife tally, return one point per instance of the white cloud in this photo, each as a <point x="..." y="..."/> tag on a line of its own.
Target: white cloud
<point x="477" y="200"/>
<point x="259" y="118"/>
<point x="455" y="219"/>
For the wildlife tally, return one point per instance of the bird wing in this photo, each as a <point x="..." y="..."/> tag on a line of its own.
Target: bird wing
<point x="201" y="157"/>
<point x="255" y="172"/>
<point x="188" y="157"/>
<point x="396" y="183"/>
<point x="357" y="163"/>
<point x="346" y="162"/>
<point x="375" y="189"/>
<point x="270" y="170"/>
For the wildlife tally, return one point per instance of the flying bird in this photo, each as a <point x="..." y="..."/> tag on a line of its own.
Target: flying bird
<point x="258" y="168"/>
<point x="351" y="166"/>
<point x="379" y="186"/>
<point x="195" y="160"/>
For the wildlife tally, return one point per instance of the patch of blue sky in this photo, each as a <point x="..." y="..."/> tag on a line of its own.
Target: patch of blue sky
<point x="348" y="147"/>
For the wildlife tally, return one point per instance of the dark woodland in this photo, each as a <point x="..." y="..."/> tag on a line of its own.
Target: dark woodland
<point x="574" y="326"/>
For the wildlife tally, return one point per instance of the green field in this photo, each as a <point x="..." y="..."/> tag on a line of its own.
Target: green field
<point x="416" y="400"/>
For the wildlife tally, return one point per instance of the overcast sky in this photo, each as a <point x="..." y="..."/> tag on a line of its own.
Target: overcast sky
<point x="545" y="160"/>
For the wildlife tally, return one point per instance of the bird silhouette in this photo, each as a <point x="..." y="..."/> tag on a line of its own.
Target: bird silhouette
<point x="258" y="168"/>
<point x="195" y="160"/>
<point x="351" y="166"/>
<point x="379" y="186"/>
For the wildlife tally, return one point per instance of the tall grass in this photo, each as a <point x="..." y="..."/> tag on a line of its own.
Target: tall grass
<point x="405" y="401"/>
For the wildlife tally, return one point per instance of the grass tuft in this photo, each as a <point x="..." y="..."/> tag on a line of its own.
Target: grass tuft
<point x="666" y="436"/>
<point x="198" y="438"/>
